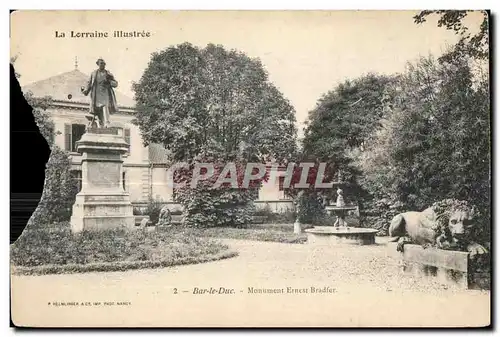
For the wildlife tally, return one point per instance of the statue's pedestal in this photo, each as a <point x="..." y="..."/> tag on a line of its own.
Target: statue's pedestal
<point x="102" y="202"/>
<point x="448" y="267"/>
<point x="297" y="227"/>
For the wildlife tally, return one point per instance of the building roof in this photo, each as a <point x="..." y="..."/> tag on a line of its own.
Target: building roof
<point x="61" y="86"/>
<point x="157" y="154"/>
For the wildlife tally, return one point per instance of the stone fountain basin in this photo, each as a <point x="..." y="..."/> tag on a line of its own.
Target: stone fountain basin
<point x="329" y="235"/>
<point x="340" y="208"/>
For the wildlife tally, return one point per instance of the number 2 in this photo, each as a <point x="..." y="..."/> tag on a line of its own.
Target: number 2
<point x="175" y="290"/>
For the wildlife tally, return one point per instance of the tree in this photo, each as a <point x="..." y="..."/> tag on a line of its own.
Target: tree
<point x="217" y="104"/>
<point x="434" y="140"/>
<point x="213" y="102"/>
<point x="42" y="117"/>
<point x="336" y="131"/>
<point x="340" y="124"/>
<point x="59" y="191"/>
<point x="475" y="45"/>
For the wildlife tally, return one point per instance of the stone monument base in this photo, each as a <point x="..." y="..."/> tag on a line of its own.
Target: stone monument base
<point x="102" y="211"/>
<point x="102" y="203"/>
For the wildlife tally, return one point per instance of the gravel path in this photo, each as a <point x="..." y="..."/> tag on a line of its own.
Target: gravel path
<point x="367" y="289"/>
<point x="344" y="266"/>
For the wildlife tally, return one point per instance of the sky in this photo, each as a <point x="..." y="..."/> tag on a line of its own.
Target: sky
<point x="305" y="53"/>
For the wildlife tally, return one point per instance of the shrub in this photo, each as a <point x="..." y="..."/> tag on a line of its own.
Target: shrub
<point x="206" y="207"/>
<point x="288" y="216"/>
<point x="311" y="208"/>
<point x="209" y="204"/>
<point x="264" y="211"/>
<point x="59" y="191"/>
<point x="153" y="209"/>
<point x="42" y="117"/>
<point x="379" y="213"/>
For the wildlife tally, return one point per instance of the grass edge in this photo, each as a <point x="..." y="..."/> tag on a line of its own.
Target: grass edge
<point x="118" y="266"/>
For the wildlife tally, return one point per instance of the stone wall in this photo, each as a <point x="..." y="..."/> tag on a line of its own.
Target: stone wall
<point x="454" y="268"/>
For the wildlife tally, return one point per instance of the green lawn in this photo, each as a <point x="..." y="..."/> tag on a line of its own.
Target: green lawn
<point x="57" y="250"/>
<point x="268" y="232"/>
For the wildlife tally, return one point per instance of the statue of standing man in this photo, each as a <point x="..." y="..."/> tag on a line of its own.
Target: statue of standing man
<point x="102" y="97"/>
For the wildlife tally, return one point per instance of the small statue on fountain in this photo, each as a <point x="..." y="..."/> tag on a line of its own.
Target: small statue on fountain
<point x="340" y="222"/>
<point x="340" y="198"/>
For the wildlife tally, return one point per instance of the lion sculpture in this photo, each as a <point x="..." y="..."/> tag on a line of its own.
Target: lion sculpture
<point x="447" y="224"/>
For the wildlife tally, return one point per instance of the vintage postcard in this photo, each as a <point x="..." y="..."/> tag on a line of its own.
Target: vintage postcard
<point x="256" y="169"/>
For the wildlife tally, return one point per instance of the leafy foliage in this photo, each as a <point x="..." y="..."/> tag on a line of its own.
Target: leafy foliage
<point x="42" y="117"/>
<point x="445" y="208"/>
<point x="59" y="191"/>
<point x="341" y="123"/>
<point x="206" y="207"/>
<point x="337" y="131"/>
<point x="378" y="213"/>
<point x="310" y="208"/>
<point x="213" y="101"/>
<point x="474" y="45"/>
<point x="218" y="104"/>
<point x="153" y="209"/>
<point x="286" y="217"/>
<point x="434" y="142"/>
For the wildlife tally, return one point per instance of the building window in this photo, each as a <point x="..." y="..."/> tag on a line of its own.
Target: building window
<point x="76" y="175"/>
<point x="281" y="182"/>
<point x="72" y="134"/>
<point x="124" y="181"/>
